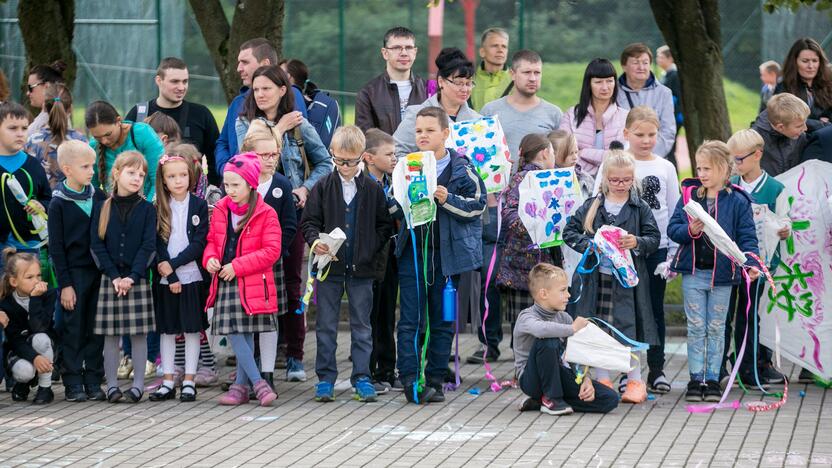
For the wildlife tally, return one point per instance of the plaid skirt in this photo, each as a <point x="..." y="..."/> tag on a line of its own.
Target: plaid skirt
<point x="126" y="315"/>
<point x="230" y="317"/>
<point x="280" y="286"/>
<point x="516" y="301"/>
<point x="604" y="304"/>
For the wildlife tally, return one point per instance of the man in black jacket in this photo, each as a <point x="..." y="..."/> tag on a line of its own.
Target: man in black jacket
<point x="381" y="102"/>
<point x="818" y="145"/>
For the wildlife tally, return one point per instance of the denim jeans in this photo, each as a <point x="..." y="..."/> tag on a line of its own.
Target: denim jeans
<point x="706" y="309"/>
<point x="413" y="314"/>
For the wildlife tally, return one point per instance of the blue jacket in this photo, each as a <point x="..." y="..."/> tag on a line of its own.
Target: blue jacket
<point x="227" y="142"/>
<point x="460" y="224"/>
<point x="734" y="216"/>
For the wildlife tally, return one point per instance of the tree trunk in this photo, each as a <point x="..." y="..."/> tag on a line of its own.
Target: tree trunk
<point x="252" y="18"/>
<point x="47" y="27"/>
<point x="691" y="29"/>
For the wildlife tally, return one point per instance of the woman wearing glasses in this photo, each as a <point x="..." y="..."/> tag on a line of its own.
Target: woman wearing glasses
<point x="39" y="77"/>
<point x="303" y="160"/>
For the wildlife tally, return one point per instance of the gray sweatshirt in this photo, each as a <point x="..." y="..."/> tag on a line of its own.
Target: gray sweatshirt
<point x="533" y="323"/>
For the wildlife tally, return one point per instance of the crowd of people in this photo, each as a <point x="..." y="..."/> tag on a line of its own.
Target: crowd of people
<point x="124" y="244"/>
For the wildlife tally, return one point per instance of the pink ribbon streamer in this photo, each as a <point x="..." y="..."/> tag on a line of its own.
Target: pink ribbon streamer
<point x="495" y="384"/>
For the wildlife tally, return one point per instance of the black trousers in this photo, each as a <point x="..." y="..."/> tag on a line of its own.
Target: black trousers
<point x="383" y="320"/>
<point x="735" y="329"/>
<point x="83" y="359"/>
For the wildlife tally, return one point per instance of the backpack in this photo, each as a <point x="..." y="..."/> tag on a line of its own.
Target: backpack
<point x="325" y="115"/>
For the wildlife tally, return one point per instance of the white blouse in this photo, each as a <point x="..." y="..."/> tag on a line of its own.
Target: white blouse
<point x="188" y="273"/>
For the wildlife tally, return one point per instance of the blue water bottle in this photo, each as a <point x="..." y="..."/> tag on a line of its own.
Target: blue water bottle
<point x="449" y="302"/>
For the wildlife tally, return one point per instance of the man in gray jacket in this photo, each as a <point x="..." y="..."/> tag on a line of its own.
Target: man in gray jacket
<point x="639" y="87"/>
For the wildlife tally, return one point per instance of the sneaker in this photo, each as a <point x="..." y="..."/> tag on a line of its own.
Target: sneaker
<point x="150" y="370"/>
<point x="695" y="392"/>
<point x="125" y="368"/>
<point x="556" y="407"/>
<point x="235" y="396"/>
<point x="206" y="377"/>
<point x="396" y="385"/>
<point x="75" y="393"/>
<point x="713" y="392"/>
<point x="94" y="393"/>
<point x="365" y="391"/>
<point x="635" y="392"/>
<point x="280" y="360"/>
<point x="438" y="395"/>
<point x="265" y="394"/>
<point x="324" y="392"/>
<point x="769" y="375"/>
<point x="420" y="398"/>
<point x="805" y="376"/>
<point x="294" y="370"/>
<point x="43" y="396"/>
<point x="477" y="357"/>
<point x="530" y="404"/>
<point x="381" y="387"/>
<point x="20" y="391"/>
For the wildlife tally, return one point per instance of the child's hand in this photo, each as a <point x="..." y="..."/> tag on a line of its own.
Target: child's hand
<point x="784" y="232"/>
<point x="587" y="392"/>
<point x="126" y="284"/>
<point x="165" y="269"/>
<point x="441" y="194"/>
<point x="68" y="298"/>
<point x="117" y="285"/>
<point x="33" y="207"/>
<point x="578" y="323"/>
<point x="321" y="249"/>
<point x="42" y="364"/>
<point x="227" y="272"/>
<point x="628" y="242"/>
<point x="696" y="226"/>
<point x="39" y="289"/>
<point x="753" y="273"/>
<point x="4" y="319"/>
<point x="176" y="287"/>
<point x="213" y="265"/>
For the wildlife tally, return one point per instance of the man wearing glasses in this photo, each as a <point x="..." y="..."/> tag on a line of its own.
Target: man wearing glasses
<point x="381" y="102"/>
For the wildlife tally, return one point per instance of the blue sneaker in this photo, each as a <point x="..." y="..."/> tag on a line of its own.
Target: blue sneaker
<point x="294" y="370"/>
<point x="324" y="392"/>
<point x="365" y="390"/>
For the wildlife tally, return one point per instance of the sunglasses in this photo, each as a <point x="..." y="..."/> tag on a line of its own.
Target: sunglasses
<point x="346" y="162"/>
<point x="32" y="87"/>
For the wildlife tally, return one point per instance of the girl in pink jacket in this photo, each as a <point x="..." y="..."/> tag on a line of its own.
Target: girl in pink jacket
<point x="597" y="120"/>
<point x="243" y="244"/>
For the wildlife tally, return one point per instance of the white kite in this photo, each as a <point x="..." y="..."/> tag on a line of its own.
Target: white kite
<point x="593" y="347"/>
<point x="716" y="235"/>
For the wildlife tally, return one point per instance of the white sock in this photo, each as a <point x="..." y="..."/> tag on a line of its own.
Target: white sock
<point x="45" y="379"/>
<point x="185" y="388"/>
<point x="191" y="353"/>
<point x="601" y="374"/>
<point x="635" y="373"/>
<point x="167" y="348"/>
<point x="166" y="387"/>
<point x="268" y="351"/>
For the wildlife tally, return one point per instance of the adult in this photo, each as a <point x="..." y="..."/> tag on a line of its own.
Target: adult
<point x="492" y="78"/>
<point x="818" y="145"/>
<point x="196" y="123"/>
<point x="303" y="160"/>
<point x="253" y="54"/>
<point x="639" y="87"/>
<point x="770" y="74"/>
<point x="597" y="120"/>
<point x="523" y="112"/>
<point x="670" y="78"/>
<point x="39" y="77"/>
<point x="322" y="110"/>
<point x="806" y="74"/>
<point x="381" y="103"/>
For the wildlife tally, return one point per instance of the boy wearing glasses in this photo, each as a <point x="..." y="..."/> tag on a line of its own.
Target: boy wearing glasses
<point x="346" y="199"/>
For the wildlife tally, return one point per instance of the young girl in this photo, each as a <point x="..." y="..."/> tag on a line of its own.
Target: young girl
<point x="243" y="244"/>
<point x="599" y="293"/>
<point x="165" y="127"/>
<point x="182" y="230"/>
<point x="123" y="243"/>
<point x="707" y="274"/>
<point x="26" y="308"/>
<point x="189" y="151"/>
<point x="565" y="148"/>
<point x="519" y="255"/>
<point x="276" y="190"/>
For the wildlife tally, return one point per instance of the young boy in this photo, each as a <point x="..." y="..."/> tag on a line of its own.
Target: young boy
<point x="747" y="147"/>
<point x="454" y="246"/>
<point x="78" y="277"/>
<point x="349" y="200"/>
<point x="539" y="342"/>
<point x="16" y="228"/>
<point x="782" y="126"/>
<point x="380" y="159"/>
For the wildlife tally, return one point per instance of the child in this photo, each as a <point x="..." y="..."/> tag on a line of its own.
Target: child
<point x="782" y="126"/>
<point x="179" y="295"/>
<point x="600" y="294"/>
<point x="659" y="185"/>
<point x="123" y="243"/>
<point x="746" y="147"/>
<point x="165" y="127"/>
<point x="78" y="278"/>
<point x="189" y="151"/>
<point x="276" y="190"/>
<point x="16" y="228"/>
<point x="707" y="274"/>
<point x="349" y="200"/>
<point x="565" y="147"/>
<point x="26" y="310"/>
<point x="243" y="244"/>
<point x="539" y="343"/>
<point x="519" y="253"/>
<point x="453" y="247"/>
<point x="380" y="160"/>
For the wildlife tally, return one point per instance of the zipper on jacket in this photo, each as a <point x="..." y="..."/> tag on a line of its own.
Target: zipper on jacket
<point x="265" y="289"/>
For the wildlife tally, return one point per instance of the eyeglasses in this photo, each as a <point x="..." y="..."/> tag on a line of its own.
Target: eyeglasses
<point x="400" y="49"/>
<point x="739" y="160"/>
<point x="617" y="181"/>
<point x="462" y="84"/>
<point x="346" y="162"/>
<point x="32" y="87"/>
<point x="267" y="156"/>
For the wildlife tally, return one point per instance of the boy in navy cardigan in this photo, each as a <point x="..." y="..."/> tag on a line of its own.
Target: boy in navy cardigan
<point x="78" y="278"/>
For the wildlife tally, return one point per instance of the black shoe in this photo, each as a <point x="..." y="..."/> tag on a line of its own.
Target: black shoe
<point x="770" y="376"/>
<point x="269" y="378"/>
<point x="450" y="377"/>
<point x="94" y="393"/>
<point x="530" y="404"/>
<point x="556" y="407"/>
<point x="134" y="395"/>
<point x="114" y="394"/>
<point x="43" y="396"/>
<point x="805" y="376"/>
<point x="160" y="395"/>
<point x="695" y="391"/>
<point x="477" y="357"/>
<point x="421" y="398"/>
<point x="713" y="392"/>
<point x="187" y="397"/>
<point x="438" y="395"/>
<point x="750" y="382"/>
<point x="20" y="391"/>
<point x="75" y="393"/>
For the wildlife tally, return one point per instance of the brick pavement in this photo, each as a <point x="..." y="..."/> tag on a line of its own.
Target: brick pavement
<point x="467" y="430"/>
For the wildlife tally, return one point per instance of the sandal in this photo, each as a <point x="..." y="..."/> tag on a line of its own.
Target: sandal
<point x="134" y="395"/>
<point x="114" y="394"/>
<point x="160" y="395"/>
<point x="187" y="397"/>
<point x="660" y="384"/>
<point x="622" y="384"/>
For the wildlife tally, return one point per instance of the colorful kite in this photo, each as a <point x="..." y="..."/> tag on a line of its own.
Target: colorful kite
<point x="483" y="142"/>
<point x="414" y="182"/>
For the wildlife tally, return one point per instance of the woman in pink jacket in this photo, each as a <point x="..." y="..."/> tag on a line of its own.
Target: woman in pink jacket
<point x="243" y="245"/>
<point x="597" y="120"/>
